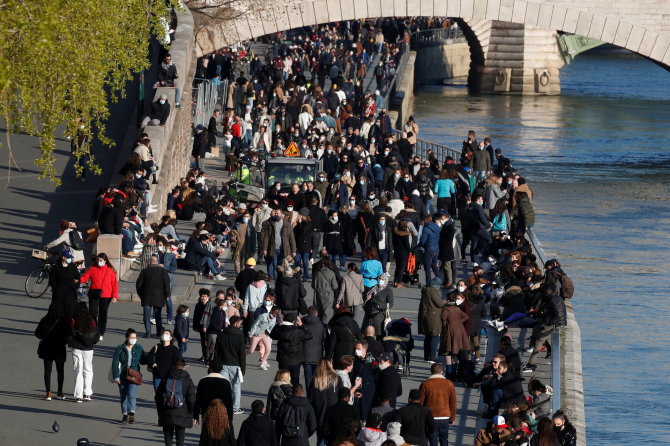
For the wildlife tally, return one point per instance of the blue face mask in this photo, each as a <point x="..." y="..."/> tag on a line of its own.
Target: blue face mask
<point x="245" y="220"/>
<point x="68" y="260"/>
<point x="275" y="218"/>
<point x="406" y="180"/>
<point x="382" y="222"/>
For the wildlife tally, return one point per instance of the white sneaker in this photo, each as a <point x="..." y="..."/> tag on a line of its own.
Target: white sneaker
<point x="220" y="277"/>
<point x="151" y="211"/>
<point x="529" y="350"/>
<point x="153" y="321"/>
<point x="100" y="338"/>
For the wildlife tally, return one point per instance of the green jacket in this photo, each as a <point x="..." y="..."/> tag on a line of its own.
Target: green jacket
<point x="120" y="361"/>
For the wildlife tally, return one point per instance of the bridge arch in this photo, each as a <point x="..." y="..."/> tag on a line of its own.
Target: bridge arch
<point x="561" y="15"/>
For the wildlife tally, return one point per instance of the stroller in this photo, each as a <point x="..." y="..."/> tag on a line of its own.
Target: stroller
<point x="400" y="343"/>
<point x="414" y="264"/>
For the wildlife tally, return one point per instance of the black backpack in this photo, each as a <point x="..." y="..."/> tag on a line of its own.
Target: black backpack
<point x="277" y="396"/>
<point x="292" y="423"/>
<point x="76" y="242"/>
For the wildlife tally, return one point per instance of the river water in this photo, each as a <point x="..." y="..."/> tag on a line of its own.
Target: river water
<point x="598" y="159"/>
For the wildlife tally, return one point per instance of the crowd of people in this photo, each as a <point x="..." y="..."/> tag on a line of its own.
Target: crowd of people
<point x="378" y="209"/>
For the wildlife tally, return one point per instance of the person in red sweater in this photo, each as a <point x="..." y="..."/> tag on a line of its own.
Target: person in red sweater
<point x="104" y="289"/>
<point x="439" y="395"/>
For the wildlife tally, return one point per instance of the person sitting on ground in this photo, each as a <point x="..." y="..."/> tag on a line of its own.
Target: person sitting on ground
<point x="496" y="432"/>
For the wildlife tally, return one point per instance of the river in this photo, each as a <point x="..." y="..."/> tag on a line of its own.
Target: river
<point x="598" y="159"/>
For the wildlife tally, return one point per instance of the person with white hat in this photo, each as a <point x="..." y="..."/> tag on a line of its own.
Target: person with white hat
<point x="496" y="432"/>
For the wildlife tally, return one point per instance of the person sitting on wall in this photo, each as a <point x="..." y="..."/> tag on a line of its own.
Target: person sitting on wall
<point x="167" y="77"/>
<point x="160" y="110"/>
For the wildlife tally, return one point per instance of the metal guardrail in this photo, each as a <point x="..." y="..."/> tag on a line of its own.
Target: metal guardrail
<point x="422" y="147"/>
<point x="206" y="95"/>
<point x="555" y="336"/>
<point x="435" y="37"/>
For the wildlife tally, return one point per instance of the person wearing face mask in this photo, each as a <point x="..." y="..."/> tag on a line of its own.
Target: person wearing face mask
<point x="275" y="198"/>
<point x="334" y="238"/>
<point x="477" y="310"/>
<point x="158" y="115"/>
<point x="259" y="335"/>
<point x="454" y="338"/>
<point x="104" y="289"/>
<point x="277" y="241"/>
<point x="161" y="358"/>
<point x="430" y="241"/>
<point x="167" y="258"/>
<point x="181" y="328"/>
<point x="362" y="187"/>
<point x="63" y="280"/>
<point x="128" y="355"/>
<point x="447" y="250"/>
<point x="388" y="382"/>
<point x="261" y="215"/>
<point x="244" y="246"/>
<point x="430" y="323"/>
<point x="153" y="288"/>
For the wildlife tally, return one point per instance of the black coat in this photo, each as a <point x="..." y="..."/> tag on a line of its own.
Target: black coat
<point x="153" y="286"/>
<point x="231" y="348"/>
<point x="314" y="345"/>
<point x="303" y="236"/>
<point x="64" y="281"/>
<point x="477" y="312"/>
<point x="290" y="344"/>
<point x="388" y="383"/>
<point x="160" y="112"/>
<point x="257" y="430"/>
<point x="368" y="387"/>
<point x="417" y="423"/>
<point x="195" y="252"/>
<point x="510" y="384"/>
<point x="211" y="387"/>
<point x="321" y="400"/>
<point x="337" y="415"/>
<point x="110" y="220"/>
<point x="308" y="423"/>
<point x="177" y="416"/>
<point x="344" y="334"/>
<point x="447" y="233"/>
<point x="244" y="279"/>
<point x="164" y="358"/>
<point x="291" y="293"/>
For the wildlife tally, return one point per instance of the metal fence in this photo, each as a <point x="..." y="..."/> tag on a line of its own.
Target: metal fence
<point x="435" y="37"/>
<point x="206" y="96"/>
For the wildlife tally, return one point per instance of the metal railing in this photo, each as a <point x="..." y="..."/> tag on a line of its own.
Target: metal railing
<point x="206" y="97"/>
<point x="555" y="336"/>
<point x="422" y="147"/>
<point x="435" y="37"/>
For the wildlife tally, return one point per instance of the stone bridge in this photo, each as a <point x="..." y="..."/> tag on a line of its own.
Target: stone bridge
<point x="642" y="26"/>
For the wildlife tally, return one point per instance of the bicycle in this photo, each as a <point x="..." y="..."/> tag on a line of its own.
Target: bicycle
<point x="37" y="283"/>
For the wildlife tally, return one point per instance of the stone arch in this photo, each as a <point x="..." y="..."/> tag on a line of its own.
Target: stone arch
<point x="597" y="21"/>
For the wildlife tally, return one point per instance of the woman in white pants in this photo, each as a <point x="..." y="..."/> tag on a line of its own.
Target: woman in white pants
<point x="84" y="335"/>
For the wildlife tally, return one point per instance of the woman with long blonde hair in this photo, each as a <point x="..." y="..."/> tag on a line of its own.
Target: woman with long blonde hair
<point x="322" y="393"/>
<point x="216" y="426"/>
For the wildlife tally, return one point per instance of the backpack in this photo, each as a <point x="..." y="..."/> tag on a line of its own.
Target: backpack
<point x="277" y="396"/>
<point x="292" y="422"/>
<point x="372" y="306"/>
<point x="499" y="223"/>
<point x="567" y="287"/>
<point x="76" y="242"/>
<point x="173" y="397"/>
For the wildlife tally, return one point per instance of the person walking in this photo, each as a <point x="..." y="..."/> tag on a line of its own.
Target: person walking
<point x="351" y="293"/>
<point x="417" y="422"/>
<point x="344" y="333"/>
<point x="231" y="349"/>
<point x="64" y="280"/>
<point x="430" y="323"/>
<point x="259" y="335"/>
<point x="439" y="395"/>
<point x="377" y="300"/>
<point x="371" y="267"/>
<point x="257" y="429"/>
<point x="83" y="336"/>
<point x="454" y="338"/>
<point x="430" y="242"/>
<point x="213" y="386"/>
<point x="126" y="373"/>
<point x="296" y="419"/>
<point x="322" y="394"/>
<point x="104" y="289"/>
<point x="216" y="426"/>
<point x="325" y="287"/>
<point x="280" y="389"/>
<point x="162" y="357"/>
<point x="314" y="345"/>
<point x="290" y="337"/>
<point x="388" y="383"/>
<point x="401" y="250"/>
<point x="447" y="250"/>
<point x="181" y="328"/>
<point x="52" y="349"/>
<point x="153" y="288"/>
<point x="175" y="401"/>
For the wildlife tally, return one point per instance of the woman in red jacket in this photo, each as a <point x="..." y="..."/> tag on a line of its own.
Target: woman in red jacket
<point x="103" y="291"/>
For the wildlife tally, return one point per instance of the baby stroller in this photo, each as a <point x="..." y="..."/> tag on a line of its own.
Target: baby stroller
<point x="400" y="343"/>
<point x="414" y="263"/>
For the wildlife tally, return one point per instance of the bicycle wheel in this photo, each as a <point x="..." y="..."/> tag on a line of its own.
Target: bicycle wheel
<point x="37" y="283"/>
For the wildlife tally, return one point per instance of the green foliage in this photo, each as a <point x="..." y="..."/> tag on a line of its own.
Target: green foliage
<point x="64" y="61"/>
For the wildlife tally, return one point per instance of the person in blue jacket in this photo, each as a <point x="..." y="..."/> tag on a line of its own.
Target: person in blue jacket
<point x="430" y="241"/>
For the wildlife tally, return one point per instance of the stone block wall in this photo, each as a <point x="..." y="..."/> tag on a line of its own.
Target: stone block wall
<point x="405" y="90"/>
<point x="436" y="63"/>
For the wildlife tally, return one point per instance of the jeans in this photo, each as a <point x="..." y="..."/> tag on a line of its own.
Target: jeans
<point x="384" y="258"/>
<point x="82" y="366"/>
<point x="127" y="244"/>
<point x="308" y="371"/>
<point x="272" y="261"/>
<point x="343" y="260"/>
<point x="495" y="402"/>
<point x="440" y="434"/>
<point x="430" y="347"/>
<point x="128" y="392"/>
<point x="232" y="374"/>
<point x="302" y="260"/>
<point x="156" y="382"/>
<point x="183" y="346"/>
<point x="430" y="264"/>
<point x="177" y="95"/>
<point x="156" y="312"/>
<point x="170" y="313"/>
<point x="170" y="431"/>
<point x="480" y="175"/>
<point x="211" y="264"/>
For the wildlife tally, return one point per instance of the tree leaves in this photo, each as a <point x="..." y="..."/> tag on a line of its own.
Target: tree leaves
<point x="64" y="61"/>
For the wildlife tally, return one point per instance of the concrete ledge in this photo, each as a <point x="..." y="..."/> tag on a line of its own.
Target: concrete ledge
<point x="572" y="381"/>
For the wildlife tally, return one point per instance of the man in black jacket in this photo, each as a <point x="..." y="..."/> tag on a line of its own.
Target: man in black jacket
<point x="338" y="414"/>
<point x="211" y="128"/>
<point x="258" y="429"/>
<point x="167" y="77"/>
<point x="153" y="287"/>
<point x="314" y="345"/>
<point x="296" y="421"/>
<point x="211" y="387"/>
<point x="110" y="219"/>
<point x="290" y="337"/>
<point x="481" y="237"/>
<point x="231" y="350"/>
<point x="446" y="253"/>
<point x="417" y="421"/>
<point x="388" y="381"/>
<point x="198" y="256"/>
<point x="158" y="115"/>
<point x="553" y="314"/>
<point x="246" y="276"/>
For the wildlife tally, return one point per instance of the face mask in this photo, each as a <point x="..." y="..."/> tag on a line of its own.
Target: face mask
<point x="362" y="183"/>
<point x="132" y="341"/>
<point x="290" y="208"/>
<point x="359" y="353"/>
<point x="228" y="302"/>
<point x="101" y="263"/>
<point x="461" y="288"/>
<point x="383" y="366"/>
<point x="406" y="180"/>
<point x="278" y="186"/>
<point x="346" y="174"/>
<point x="396" y="176"/>
<point x="459" y="301"/>
<point x="138" y="176"/>
<point x="322" y="178"/>
<point x="264" y="206"/>
<point x="333" y="219"/>
<point x="162" y="102"/>
<point x="275" y="218"/>
<point x="268" y="303"/>
<point x="352" y="202"/>
<point x="166" y="337"/>
<point x="186" y="314"/>
<point x="382" y="222"/>
<point x="329" y="151"/>
<point x="161" y="248"/>
<point x="245" y="220"/>
<point x="372" y="141"/>
<point x="371" y="197"/>
<point x="68" y="260"/>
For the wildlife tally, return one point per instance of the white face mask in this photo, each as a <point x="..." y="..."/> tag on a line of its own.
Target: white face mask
<point x="264" y="206"/>
<point x="290" y="208"/>
<point x="161" y="248"/>
<point x="132" y="341"/>
<point x="68" y="260"/>
<point x="268" y="303"/>
<point x="162" y="101"/>
<point x="186" y="314"/>
<point x="383" y="366"/>
<point x="229" y="302"/>
<point x="359" y="353"/>
<point x="101" y="263"/>
<point x="278" y="186"/>
<point x="166" y="337"/>
<point x="461" y="288"/>
<point x="333" y="219"/>
<point x="459" y="301"/>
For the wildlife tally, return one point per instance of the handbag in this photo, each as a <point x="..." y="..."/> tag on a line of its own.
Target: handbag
<point x="387" y="318"/>
<point x="134" y="376"/>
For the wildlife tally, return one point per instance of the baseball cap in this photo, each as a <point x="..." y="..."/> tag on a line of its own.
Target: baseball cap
<point x="386" y="357"/>
<point x="499" y="421"/>
<point x="251" y="261"/>
<point x="67" y="254"/>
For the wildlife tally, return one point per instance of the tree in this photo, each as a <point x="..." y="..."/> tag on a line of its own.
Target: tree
<point x="64" y="61"/>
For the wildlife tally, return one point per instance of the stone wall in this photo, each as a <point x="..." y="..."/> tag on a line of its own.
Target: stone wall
<point x="572" y="380"/>
<point x="436" y="63"/>
<point x="404" y="93"/>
